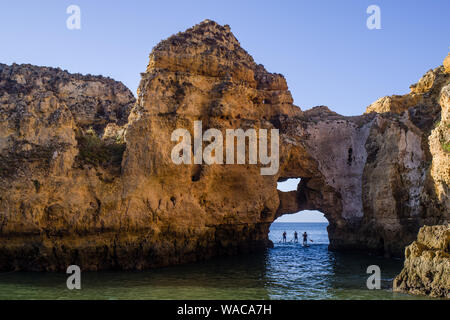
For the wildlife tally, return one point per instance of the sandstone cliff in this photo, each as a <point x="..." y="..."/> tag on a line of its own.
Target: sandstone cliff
<point x="87" y="176"/>
<point x="427" y="264"/>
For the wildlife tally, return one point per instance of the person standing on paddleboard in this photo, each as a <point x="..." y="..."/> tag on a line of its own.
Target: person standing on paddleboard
<point x="305" y="238"/>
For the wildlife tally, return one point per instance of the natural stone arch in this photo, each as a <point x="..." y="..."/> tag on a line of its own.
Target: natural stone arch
<point x="60" y="204"/>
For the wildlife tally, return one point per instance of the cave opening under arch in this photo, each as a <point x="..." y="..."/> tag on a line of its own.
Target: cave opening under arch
<point x="313" y="222"/>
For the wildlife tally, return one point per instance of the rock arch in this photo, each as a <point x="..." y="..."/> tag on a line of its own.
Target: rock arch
<point x="112" y="198"/>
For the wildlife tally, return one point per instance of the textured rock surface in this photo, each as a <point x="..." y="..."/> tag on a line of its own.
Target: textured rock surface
<point x="447" y="63"/>
<point x="439" y="142"/>
<point x="87" y="176"/>
<point x="53" y="167"/>
<point x="427" y="264"/>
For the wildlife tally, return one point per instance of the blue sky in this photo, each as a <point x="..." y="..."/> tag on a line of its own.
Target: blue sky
<point x="324" y="49"/>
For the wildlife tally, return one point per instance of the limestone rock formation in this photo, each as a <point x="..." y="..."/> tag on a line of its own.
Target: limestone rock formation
<point x="427" y="264"/>
<point x="447" y="64"/>
<point x="87" y="176"/>
<point x="53" y="164"/>
<point x="439" y="142"/>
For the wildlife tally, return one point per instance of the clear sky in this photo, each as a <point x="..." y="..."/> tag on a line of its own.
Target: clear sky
<point x="324" y="48"/>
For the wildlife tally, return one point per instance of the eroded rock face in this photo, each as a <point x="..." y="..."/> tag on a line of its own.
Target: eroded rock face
<point x="427" y="264"/>
<point x="447" y="63"/>
<point x="55" y="172"/>
<point x="439" y="142"/>
<point x="401" y="190"/>
<point x="88" y="181"/>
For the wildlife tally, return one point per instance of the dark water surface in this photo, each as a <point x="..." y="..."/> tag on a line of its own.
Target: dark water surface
<point x="288" y="271"/>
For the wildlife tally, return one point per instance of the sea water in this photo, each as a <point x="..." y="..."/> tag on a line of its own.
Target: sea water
<point x="287" y="271"/>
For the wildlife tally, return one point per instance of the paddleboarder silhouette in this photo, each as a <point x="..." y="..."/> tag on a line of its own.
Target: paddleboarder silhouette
<point x="305" y="238"/>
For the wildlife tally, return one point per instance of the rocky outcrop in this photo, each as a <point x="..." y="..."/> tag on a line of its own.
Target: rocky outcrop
<point x="407" y="173"/>
<point x="53" y="163"/>
<point x="447" y="64"/>
<point x="427" y="264"/>
<point x="439" y="142"/>
<point x="87" y="175"/>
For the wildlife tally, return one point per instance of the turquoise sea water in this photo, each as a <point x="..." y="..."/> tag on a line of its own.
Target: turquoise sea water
<point x="287" y="271"/>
